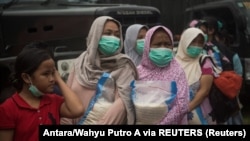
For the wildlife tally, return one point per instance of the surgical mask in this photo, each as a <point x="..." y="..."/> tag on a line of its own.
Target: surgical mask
<point x="194" y="51"/>
<point x="140" y="46"/>
<point x="108" y="45"/>
<point x="33" y="89"/>
<point x="161" y="57"/>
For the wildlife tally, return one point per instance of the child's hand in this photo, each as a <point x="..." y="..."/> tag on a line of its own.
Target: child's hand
<point x="57" y="75"/>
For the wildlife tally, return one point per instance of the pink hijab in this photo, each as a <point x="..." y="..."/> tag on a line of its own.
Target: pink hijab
<point x="173" y="72"/>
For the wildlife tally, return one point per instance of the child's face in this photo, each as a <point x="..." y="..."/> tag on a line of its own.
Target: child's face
<point x="43" y="78"/>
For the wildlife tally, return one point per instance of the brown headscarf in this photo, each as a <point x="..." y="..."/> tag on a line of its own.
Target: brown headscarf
<point x="90" y="65"/>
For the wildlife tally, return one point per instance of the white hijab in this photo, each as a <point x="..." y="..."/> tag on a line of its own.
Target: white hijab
<point x="130" y="42"/>
<point x="190" y="65"/>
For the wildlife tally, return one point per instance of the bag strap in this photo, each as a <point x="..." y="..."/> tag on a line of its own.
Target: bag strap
<point x="203" y="58"/>
<point x="202" y="61"/>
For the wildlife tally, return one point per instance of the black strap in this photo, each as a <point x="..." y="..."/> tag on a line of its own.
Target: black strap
<point x="203" y="58"/>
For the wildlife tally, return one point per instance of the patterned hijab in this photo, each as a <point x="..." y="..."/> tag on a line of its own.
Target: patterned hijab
<point x="190" y="65"/>
<point x="173" y="72"/>
<point x="148" y="70"/>
<point x="130" y="42"/>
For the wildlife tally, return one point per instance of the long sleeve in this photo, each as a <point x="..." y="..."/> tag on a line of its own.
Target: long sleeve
<point x="179" y="108"/>
<point x="237" y="64"/>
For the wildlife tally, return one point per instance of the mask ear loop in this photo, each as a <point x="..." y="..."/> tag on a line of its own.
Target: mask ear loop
<point x="30" y="80"/>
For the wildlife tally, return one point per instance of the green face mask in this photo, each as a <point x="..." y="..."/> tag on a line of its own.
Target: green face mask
<point x="140" y="46"/>
<point x="161" y="57"/>
<point x="108" y="45"/>
<point x="35" y="91"/>
<point x="194" y="51"/>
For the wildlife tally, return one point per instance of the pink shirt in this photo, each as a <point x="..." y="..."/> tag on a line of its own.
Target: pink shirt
<point x="207" y="67"/>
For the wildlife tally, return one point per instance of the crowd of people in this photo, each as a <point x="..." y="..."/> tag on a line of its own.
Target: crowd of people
<point x="148" y="56"/>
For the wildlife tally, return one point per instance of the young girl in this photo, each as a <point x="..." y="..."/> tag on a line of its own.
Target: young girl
<point x="34" y="103"/>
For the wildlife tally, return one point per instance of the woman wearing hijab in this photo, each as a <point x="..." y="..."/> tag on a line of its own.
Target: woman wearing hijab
<point x="103" y="55"/>
<point x="200" y="77"/>
<point x="134" y="42"/>
<point x="158" y="64"/>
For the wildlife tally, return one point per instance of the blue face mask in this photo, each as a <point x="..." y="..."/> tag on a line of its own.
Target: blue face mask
<point x="33" y="89"/>
<point x="161" y="57"/>
<point x="108" y="45"/>
<point x="194" y="51"/>
<point x="140" y="46"/>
